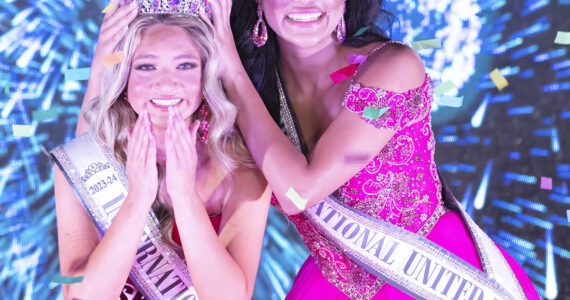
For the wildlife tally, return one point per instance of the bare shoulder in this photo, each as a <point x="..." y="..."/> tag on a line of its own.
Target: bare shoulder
<point x="249" y="184"/>
<point x="394" y="67"/>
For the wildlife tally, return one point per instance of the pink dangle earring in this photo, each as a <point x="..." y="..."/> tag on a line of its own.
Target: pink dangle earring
<point x="341" y="27"/>
<point x="204" y="124"/>
<point x="259" y="39"/>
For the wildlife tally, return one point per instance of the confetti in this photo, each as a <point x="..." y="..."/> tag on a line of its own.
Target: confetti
<point x="374" y="113"/>
<point x="58" y="279"/>
<point x="546" y="183"/>
<point x="498" y="79"/>
<point x="357" y="158"/>
<point x="444" y="87"/>
<point x="299" y="202"/>
<point x="361" y="31"/>
<point x="568" y="215"/>
<point x="343" y="73"/>
<point x="113" y="59"/>
<point x="356" y="58"/>
<point x="228" y="233"/>
<point x="77" y="74"/>
<point x="562" y="38"/>
<point x="42" y="115"/>
<point x="22" y="130"/>
<point x="108" y="8"/>
<point x="6" y="88"/>
<point x="451" y="101"/>
<point x="426" y="44"/>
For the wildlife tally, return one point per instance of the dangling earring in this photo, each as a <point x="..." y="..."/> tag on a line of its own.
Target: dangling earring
<point x="341" y="27"/>
<point x="259" y="40"/>
<point x="204" y="124"/>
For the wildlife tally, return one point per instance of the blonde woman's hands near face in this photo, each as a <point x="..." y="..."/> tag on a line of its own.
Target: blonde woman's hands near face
<point x="181" y="156"/>
<point x="113" y="30"/>
<point x="227" y="51"/>
<point x="141" y="161"/>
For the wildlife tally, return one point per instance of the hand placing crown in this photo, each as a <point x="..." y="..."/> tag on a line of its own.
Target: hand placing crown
<point x="175" y="7"/>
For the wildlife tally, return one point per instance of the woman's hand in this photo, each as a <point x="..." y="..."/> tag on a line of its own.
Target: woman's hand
<point x="181" y="156"/>
<point x="113" y="30"/>
<point x="141" y="161"/>
<point x="227" y="52"/>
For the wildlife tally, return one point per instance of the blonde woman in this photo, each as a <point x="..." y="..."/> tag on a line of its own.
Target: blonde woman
<point x="183" y="204"/>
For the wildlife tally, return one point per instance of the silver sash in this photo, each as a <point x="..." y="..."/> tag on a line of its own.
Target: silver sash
<point x="100" y="184"/>
<point x="408" y="261"/>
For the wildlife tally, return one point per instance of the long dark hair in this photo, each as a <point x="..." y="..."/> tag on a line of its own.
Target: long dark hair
<point x="261" y="63"/>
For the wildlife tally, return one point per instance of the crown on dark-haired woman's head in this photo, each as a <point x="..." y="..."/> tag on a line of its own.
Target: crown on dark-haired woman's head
<point x="170" y="7"/>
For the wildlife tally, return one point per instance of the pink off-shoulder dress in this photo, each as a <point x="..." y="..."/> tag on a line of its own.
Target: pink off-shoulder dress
<point x="400" y="185"/>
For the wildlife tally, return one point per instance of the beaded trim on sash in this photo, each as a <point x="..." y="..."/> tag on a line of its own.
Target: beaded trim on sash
<point x="286" y="115"/>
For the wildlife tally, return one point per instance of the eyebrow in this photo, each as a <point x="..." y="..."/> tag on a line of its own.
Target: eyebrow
<point x="150" y="56"/>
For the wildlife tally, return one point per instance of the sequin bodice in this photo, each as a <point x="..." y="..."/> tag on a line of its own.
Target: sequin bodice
<point x="399" y="185"/>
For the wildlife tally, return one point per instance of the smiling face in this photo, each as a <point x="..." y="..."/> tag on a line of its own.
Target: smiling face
<point x="166" y="71"/>
<point x="303" y="23"/>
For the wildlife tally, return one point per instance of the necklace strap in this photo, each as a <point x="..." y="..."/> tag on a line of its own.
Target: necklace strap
<point x="378" y="47"/>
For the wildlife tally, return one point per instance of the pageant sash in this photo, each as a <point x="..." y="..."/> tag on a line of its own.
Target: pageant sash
<point x="100" y="184"/>
<point x="406" y="260"/>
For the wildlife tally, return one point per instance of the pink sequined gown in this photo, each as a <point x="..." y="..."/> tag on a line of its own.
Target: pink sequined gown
<point x="400" y="185"/>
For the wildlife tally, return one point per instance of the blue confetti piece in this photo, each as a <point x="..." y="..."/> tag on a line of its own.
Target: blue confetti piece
<point x="58" y="279"/>
<point x="77" y="74"/>
<point x="374" y="113"/>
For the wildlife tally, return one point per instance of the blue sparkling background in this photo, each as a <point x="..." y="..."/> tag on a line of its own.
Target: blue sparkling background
<point x="493" y="147"/>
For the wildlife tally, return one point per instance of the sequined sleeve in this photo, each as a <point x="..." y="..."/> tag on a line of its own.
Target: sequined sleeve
<point x="404" y="108"/>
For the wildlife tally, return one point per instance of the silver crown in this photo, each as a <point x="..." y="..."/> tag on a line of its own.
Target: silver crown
<point x="175" y="7"/>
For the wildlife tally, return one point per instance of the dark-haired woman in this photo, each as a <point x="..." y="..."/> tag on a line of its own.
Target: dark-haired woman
<point x="363" y="144"/>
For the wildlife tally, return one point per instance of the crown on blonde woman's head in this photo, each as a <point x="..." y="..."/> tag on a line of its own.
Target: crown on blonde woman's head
<point x="171" y="7"/>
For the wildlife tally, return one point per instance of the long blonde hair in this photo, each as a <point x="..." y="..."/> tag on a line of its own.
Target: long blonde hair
<point x="110" y="116"/>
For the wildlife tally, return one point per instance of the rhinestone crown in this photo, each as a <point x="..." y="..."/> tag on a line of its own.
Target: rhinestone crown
<point x="175" y="7"/>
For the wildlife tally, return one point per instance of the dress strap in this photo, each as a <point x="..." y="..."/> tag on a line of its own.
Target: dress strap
<point x="369" y="54"/>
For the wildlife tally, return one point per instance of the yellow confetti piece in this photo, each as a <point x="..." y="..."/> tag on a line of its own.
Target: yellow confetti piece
<point x="227" y="234"/>
<point x="444" y="87"/>
<point x="426" y="44"/>
<point x="562" y="38"/>
<point x="300" y="203"/>
<point x="498" y="79"/>
<point x="113" y="59"/>
<point x="22" y="130"/>
<point x="108" y="8"/>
